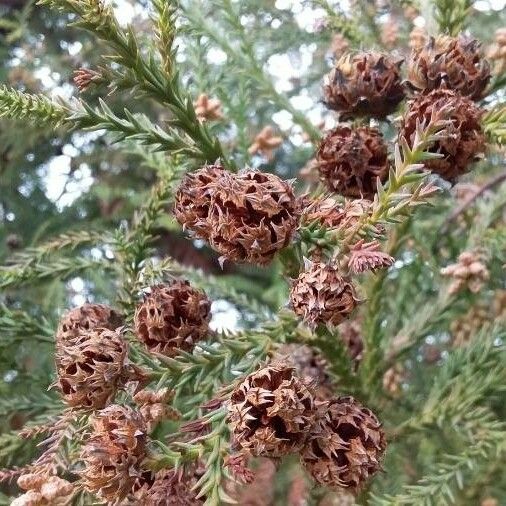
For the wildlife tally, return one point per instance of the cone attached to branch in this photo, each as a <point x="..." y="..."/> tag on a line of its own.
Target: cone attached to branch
<point x="455" y="63"/>
<point x="172" y="318"/>
<point x="320" y="295"/>
<point x="193" y="199"/>
<point x="86" y="317"/>
<point x="364" y="84"/>
<point x="346" y="446"/>
<point x="114" y="452"/>
<point x="463" y="139"/>
<point x="246" y="217"/>
<point x="92" y="368"/>
<point x="271" y="411"/>
<point x="350" y="161"/>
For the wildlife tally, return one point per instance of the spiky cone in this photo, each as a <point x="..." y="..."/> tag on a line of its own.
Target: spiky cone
<point x="364" y="84"/>
<point x="455" y="63"/>
<point x="462" y="140"/>
<point x="271" y="411"/>
<point x="350" y="332"/>
<point x="320" y="295"/>
<point x="113" y="453"/>
<point x="309" y="365"/>
<point x="246" y="217"/>
<point x="84" y="318"/>
<point x="192" y="199"/>
<point x="351" y="160"/>
<point x="330" y="213"/>
<point x="252" y="216"/>
<point x="260" y="490"/>
<point x="92" y="368"/>
<point x="346" y="446"/>
<point x="170" y="488"/>
<point x="172" y="318"/>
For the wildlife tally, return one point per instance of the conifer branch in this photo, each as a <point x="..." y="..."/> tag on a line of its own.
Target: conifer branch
<point x="244" y="55"/>
<point x="487" y="442"/>
<point x="37" y="109"/>
<point x="451" y="15"/>
<point x="98" y="18"/>
<point x="61" y="268"/>
<point x="339" y="22"/>
<point x="494" y="125"/>
<point x="16" y="325"/>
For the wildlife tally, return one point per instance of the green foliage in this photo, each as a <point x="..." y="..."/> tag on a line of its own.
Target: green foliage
<point x="135" y="131"/>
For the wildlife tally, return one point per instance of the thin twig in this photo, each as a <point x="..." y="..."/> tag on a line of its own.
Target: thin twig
<point x="498" y="179"/>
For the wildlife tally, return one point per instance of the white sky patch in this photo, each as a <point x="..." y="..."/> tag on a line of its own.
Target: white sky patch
<point x="61" y="187"/>
<point x="225" y="316"/>
<point x="484" y="5"/>
<point x="216" y="56"/>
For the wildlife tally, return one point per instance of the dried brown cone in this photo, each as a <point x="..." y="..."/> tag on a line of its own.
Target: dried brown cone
<point x="309" y="364"/>
<point x="350" y="160"/>
<point x="320" y="295"/>
<point x="253" y="215"/>
<point x="260" y="490"/>
<point x="364" y="84"/>
<point x="113" y="453"/>
<point x="350" y="332"/>
<point x="455" y="63"/>
<point x="327" y="212"/>
<point x="92" y="368"/>
<point x="192" y="200"/>
<point x="463" y="139"/>
<point x="346" y="446"/>
<point x="84" y="318"/>
<point x="170" y="488"/>
<point x="468" y="272"/>
<point x="271" y="411"/>
<point x="172" y="318"/>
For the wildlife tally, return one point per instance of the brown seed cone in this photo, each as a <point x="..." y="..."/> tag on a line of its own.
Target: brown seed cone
<point x="172" y="318"/>
<point x="320" y="295"/>
<point x="192" y="200"/>
<point x="455" y="63"/>
<point x="309" y="365"/>
<point x="350" y="160"/>
<point x="114" y="452"/>
<point x="271" y="411"/>
<point x="350" y="333"/>
<point x="91" y="369"/>
<point x="84" y="318"/>
<point x="246" y="217"/>
<point x="169" y="488"/>
<point x="332" y="214"/>
<point x="260" y="491"/>
<point x="463" y="137"/>
<point x="253" y="215"/>
<point x="364" y="84"/>
<point x="346" y="446"/>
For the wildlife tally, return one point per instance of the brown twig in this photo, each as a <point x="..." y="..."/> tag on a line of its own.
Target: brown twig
<point x="499" y="178"/>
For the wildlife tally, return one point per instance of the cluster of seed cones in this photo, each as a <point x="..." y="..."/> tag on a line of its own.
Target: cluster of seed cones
<point x="445" y="72"/>
<point x="273" y="413"/>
